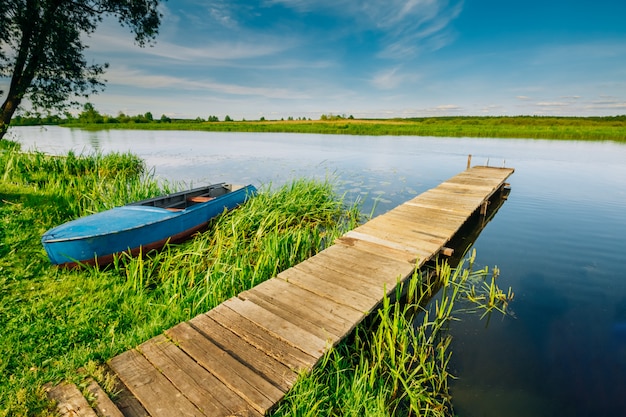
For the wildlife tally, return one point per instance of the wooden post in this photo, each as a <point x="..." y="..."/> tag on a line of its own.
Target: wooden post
<point x="447" y="251"/>
<point x="469" y="161"/>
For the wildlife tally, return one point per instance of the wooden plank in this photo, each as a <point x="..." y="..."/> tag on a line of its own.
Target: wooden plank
<point x="437" y="227"/>
<point x="391" y="268"/>
<point x="481" y="176"/>
<point x="297" y="337"/>
<point x="469" y="198"/>
<point x="444" y="199"/>
<point x="434" y="205"/>
<point x="70" y="401"/>
<point x="124" y="399"/>
<point x="365" y="286"/>
<point x="444" y="214"/>
<point x="450" y="204"/>
<point x="472" y="180"/>
<point x="436" y="213"/>
<point x="376" y="279"/>
<point x="459" y="188"/>
<point x="423" y="216"/>
<point x="407" y="230"/>
<point x="321" y="331"/>
<point x="491" y="171"/>
<point x="269" y="368"/>
<point x="150" y="387"/>
<point x="200" y="386"/>
<point x="249" y="385"/>
<point x="426" y="228"/>
<point x="406" y="237"/>
<point x="386" y="251"/>
<point x="103" y="406"/>
<point x="293" y="302"/>
<point x="477" y="175"/>
<point x="329" y="289"/>
<point x="342" y="313"/>
<point x="275" y="347"/>
<point x="430" y="226"/>
<point x="414" y="252"/>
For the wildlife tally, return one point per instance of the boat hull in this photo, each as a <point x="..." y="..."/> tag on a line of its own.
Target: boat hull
<point x="133" y="229"/>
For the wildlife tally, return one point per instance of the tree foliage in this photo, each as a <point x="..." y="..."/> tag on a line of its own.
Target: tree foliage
<point x="42" y="48"/>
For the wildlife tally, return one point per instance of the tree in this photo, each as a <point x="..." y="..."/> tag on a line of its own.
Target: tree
<point x="90" y="115"/>
<point x="42" y="45"/>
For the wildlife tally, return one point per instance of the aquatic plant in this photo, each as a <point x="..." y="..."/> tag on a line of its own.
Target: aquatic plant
<point x="397" y="365"/>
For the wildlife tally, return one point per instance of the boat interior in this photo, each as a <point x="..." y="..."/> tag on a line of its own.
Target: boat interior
<point x="186" y="199"/>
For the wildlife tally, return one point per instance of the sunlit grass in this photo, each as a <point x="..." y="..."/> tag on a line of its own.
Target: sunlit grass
<point x="531" y="127"/>
<point x="55" y="321"/>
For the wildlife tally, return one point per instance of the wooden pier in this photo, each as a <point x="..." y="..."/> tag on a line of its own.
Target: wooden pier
<point x="240" y="358"/>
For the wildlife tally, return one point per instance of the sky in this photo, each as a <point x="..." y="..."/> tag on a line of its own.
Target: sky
<point x="369" y="59"/>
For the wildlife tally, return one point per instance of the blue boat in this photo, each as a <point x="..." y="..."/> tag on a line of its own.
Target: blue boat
<point x="141" y="226"/>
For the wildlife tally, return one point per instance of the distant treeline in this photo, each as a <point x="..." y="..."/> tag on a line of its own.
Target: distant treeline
<point x="90" y="115"/>
<point x="532" y="127"/>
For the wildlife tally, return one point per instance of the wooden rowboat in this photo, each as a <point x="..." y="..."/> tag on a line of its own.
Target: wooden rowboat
<point x="141" y="226"/>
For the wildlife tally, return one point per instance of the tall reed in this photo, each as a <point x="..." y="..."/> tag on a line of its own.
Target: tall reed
<point x="240" y="249"/>
<point x="55" y="321"/>
<point x="396" y="365"/>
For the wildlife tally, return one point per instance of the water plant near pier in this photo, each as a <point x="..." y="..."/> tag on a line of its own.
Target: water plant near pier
<point x="397" y="364"/>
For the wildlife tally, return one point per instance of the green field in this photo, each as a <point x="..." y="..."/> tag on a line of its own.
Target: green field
<point x="533" y="127"/>
<point x="569" y="128"/>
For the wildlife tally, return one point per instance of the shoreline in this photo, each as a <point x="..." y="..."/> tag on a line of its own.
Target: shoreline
<point x="521" y="127"/>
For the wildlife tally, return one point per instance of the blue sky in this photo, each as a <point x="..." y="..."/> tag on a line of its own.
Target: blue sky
<point x="370" y="58"/>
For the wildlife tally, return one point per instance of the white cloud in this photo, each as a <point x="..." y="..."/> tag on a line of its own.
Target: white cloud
<point x="448" y="107"/>
<point x="552" y="104"/>
<point x="139" y="79"/>
<point x="391" y="78"/>
<point x="113" y="43"/>
<point x="407" y="26"/>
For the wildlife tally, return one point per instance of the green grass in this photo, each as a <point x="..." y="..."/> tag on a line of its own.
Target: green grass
<point x="568" y="128"/>
<point x="55" y="321"/>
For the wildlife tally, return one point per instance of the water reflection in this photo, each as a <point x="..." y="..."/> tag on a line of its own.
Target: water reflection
<point x="559" y="242"/>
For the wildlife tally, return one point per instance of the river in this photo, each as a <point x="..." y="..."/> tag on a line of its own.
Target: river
<point x="559" y="242"/>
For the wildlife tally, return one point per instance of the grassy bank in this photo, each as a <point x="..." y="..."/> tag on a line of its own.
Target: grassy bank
<point x="570" y="128"/>
<point x="56" y="321"/>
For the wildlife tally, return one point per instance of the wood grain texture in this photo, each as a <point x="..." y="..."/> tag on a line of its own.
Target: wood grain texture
<point x="70" y="401"/>
<point x="103" y="406"/>
<point x="150" y="387"/>
<point x="252" y="387"/>
<point x="284" y="352"/>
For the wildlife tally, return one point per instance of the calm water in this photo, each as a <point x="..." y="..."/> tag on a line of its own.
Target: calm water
<point x="559" y="241"/>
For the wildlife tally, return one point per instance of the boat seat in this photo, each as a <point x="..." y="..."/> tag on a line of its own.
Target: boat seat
<point x="200" y="199"/>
